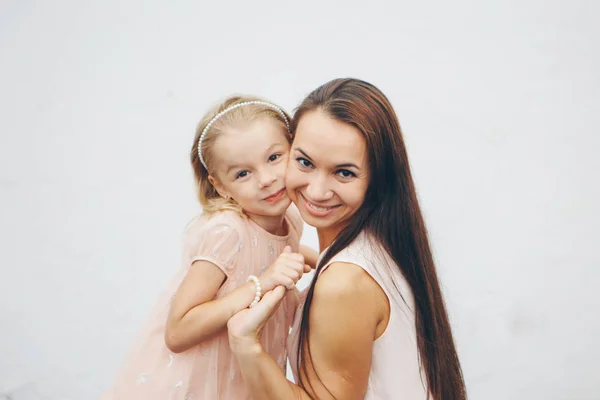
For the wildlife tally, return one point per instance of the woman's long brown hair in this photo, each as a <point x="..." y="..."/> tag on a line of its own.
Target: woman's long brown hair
<point x="391" y="214"/>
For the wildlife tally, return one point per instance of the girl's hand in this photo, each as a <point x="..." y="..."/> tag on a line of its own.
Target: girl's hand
<point x="285" y="271"/>
<point x="245" y="327"/>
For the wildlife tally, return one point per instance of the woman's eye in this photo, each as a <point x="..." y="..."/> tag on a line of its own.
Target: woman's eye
<point x="344" y="173"/>
<point x="241" y="174"/>
<point x="304" y="162"/>
<point x="274" y="157"/>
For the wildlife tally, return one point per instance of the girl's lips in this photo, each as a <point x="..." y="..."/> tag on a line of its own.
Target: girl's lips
<point x="275" y="197"/>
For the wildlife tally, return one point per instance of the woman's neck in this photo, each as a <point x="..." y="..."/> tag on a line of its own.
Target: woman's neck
<point x="326" y="237"/>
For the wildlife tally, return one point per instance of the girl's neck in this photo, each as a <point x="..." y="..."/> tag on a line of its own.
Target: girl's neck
<point x="274" y="225"/>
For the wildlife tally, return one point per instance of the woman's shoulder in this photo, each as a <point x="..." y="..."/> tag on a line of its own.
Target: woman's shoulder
<point x="348" y="291"/>
<point x="369" y="254"/>
<point x="348" y="267"/>
<point x="342" y="277"/>
<point x="362" y="250"/>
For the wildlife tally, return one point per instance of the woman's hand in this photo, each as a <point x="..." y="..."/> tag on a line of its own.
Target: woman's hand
<point x="245" y="327"/>
<point x="285" y="271"/>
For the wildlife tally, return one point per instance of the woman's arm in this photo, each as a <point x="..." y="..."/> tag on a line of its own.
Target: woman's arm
<point x="348" y="313"/>
<point x="196" y="316"/>
<point x="265" y="377"/>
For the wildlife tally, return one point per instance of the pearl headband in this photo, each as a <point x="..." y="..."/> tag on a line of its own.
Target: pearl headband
<point x="225" y="111"/>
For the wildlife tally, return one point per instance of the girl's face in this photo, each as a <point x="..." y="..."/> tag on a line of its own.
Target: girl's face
<point x="328" y="172"/>
<point x="250" y="167"/>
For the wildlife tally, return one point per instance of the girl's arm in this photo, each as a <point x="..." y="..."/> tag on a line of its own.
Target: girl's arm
<point x="195" y="315"/>
<point x="349" y="311"/>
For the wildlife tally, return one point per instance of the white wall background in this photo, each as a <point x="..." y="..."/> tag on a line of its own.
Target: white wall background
<point x="499" y="102"/>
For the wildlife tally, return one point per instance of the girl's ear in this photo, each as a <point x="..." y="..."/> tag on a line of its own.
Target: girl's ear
<point x="218" y="186"/>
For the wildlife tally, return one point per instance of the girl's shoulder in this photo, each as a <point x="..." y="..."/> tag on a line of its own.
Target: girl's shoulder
<point x="217" y="238"/>
<point x="204" y="224"/>
<point x="295" y="219"/>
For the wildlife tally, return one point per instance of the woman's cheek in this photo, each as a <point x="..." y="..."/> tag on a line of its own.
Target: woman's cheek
<point x="291" y="181"/>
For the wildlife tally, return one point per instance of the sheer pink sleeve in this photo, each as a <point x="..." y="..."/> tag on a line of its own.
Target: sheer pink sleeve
<point x="220" y="245"/>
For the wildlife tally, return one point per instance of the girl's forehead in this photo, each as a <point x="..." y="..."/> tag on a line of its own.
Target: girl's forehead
<point x="249" y="140"/>
<point x="253" y="142"/>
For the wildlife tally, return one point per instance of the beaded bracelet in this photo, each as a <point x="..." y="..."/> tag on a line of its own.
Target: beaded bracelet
<point x="258" y="290"/>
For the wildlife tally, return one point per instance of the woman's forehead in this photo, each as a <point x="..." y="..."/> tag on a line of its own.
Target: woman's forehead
<point x="320" y="136"/>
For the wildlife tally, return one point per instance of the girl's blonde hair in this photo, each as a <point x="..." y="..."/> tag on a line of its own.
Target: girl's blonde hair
<point x="208" y="196"/>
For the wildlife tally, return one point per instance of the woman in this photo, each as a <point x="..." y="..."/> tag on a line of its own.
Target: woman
<point x="373" y="323"/>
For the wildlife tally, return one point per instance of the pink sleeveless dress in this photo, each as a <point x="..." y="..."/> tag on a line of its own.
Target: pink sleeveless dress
<point x="209" y="371"/>
<point x="396" y="372"/>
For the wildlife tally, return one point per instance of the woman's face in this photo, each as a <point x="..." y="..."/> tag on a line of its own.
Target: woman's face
<point x="327" y="175"/>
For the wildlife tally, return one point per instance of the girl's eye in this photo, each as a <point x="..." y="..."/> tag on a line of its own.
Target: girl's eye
<point x="344" y="173"/>
<point x="304" y="162"/>
<point x="241" y="174"/>
<point x="274" y="157"/>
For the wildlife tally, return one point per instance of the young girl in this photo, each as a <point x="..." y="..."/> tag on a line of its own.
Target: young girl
<point x="239" y="157"/>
